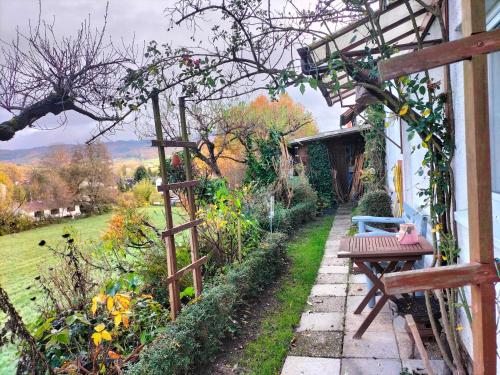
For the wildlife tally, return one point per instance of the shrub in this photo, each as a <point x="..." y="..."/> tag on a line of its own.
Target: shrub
<point x="226" y="227"/>
<point x="303" y="207"/>
<point x="195" y="337"/>
<point x="143" y="191"/>
<point x="375" y="203"/>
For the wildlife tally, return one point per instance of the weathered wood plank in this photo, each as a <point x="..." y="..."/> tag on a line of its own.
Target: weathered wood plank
<point x="168" y="143"/>
<point x="418" y="342"/>
<point x="189" y="267"/>
<point x="190" y="224"/>
<point x="178" y="185"/>
<point x="477" y="140"/>
<point x="439" y="55"/>
<point x="439" y="278"/>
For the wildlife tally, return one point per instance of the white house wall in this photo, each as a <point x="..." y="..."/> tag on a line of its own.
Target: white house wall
<point x="412" y="162"/>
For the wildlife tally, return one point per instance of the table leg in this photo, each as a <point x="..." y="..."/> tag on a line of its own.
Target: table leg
<point x="371" y="316"/>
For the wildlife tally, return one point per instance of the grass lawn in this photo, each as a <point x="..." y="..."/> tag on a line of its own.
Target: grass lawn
<point x="20" y="258"/>
<point x="265" y="355"/>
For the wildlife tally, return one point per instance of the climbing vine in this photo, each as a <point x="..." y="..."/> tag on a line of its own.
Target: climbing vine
<point x="319" y="173"/>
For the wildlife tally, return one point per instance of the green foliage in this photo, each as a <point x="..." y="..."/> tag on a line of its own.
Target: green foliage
<point x="375" y="203"/>
<point x="227" y="225"/>
<point x="143" y="191"/>
<point x="319" y="173"/>
<point x="195" y="337"/>
<point x="141" y="173"/>
<point x="261" y="165"/>
<point x="373" y="176"/>
<point x="206" y="190"/>
<point x="302" y="209"/>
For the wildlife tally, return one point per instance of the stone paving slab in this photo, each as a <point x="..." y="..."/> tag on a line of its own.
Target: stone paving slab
<point x="354" y="301"/>
<point x="330" y="321"/>
<point x="335" y="290"/>
<point x="334" y="261"/>
<point x="331" y="251"/>
<point x="417" y="366"/>
<point x="311" y="366"/>
<point x="371" y="345"/>
<point x="334" y="269"/>
<point x="382" y="323"/>
<point x="356" y="289"/>
<point x="326" y="304"/>
<point x="317" y="344"/>
<point x="331" y="278"/>
<point x="368" y="366"/>
<point x="358" y="279"/>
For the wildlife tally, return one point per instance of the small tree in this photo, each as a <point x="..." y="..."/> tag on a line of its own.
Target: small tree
<point x="140" y="174"/>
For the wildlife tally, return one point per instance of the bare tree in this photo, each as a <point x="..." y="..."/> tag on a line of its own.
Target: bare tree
<point x="42" y="74"/>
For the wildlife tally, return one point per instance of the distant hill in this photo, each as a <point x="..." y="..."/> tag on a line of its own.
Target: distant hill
<point x="119" y="150"/>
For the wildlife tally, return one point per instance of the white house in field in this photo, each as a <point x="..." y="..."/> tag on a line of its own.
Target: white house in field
<point x="40" y="209"/>
<point x="396" y="25"/>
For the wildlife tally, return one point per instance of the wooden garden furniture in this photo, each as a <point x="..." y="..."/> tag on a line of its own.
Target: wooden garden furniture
<point x="385" y="255"/>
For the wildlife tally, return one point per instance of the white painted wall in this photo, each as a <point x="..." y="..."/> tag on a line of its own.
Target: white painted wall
<point x="412" y="162"/>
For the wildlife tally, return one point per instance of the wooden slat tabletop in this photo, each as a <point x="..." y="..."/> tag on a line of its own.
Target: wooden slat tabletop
<point x="382" y="246"/>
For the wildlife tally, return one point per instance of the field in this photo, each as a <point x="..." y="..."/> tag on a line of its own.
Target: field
<point x="21" y="257"/>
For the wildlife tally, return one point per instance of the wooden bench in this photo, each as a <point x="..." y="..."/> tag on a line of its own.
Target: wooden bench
<point x="410" y="215"/>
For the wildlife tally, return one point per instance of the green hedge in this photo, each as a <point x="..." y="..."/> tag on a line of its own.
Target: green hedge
<point x="287" y="219"/>
<point x="196" y="336"/>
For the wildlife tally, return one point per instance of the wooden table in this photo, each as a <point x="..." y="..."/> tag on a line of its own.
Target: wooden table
<point x="385" y="254"/>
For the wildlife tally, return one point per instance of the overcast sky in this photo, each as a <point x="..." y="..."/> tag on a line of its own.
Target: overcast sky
<point x="143" y="18"/>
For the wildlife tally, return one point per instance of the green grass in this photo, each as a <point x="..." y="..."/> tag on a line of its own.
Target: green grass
<point x="265" y="355"/>
<point x="21" y="258"/>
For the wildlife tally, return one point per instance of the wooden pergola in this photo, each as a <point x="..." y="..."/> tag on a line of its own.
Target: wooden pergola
<point x="481" y="272"/>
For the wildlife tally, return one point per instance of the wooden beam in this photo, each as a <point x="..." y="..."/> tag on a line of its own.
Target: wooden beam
<point x="477" y="140"/>
<point x="418" y="342"/>
<point x="439" y="278"/>
<point x="189" y="267"/>
<point x="178" y="185"/>
<point x="442" y="54"/>
<point x="190" y="224"/>
<point x="168" y="143"/>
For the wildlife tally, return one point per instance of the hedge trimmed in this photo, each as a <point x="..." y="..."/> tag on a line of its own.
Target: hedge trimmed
<point x="196" y="335"/>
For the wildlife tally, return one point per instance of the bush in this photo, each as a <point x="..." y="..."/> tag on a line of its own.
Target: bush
<point x="143" y="191"/>
<point x="195" y="337"/>
<point x="375" y="203"/>
<point x="302" y="208"/>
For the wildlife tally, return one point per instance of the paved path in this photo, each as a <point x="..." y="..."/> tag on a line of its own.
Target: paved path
<point x="324" y="341"/>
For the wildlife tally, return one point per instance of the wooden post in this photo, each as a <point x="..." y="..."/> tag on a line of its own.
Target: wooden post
<point x="477" y="139"/>
<point x="191" y="203"/>
<point x="173" y="286"/>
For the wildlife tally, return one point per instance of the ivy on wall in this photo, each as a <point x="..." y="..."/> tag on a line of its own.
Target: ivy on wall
<point x="319" y="173"/>
<point x="373" y="176"/>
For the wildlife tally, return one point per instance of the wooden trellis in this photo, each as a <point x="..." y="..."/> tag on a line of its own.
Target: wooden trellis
<point x="169" y="234"/>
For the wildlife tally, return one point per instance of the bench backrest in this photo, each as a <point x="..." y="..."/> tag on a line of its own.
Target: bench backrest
<point x="415" y="217"/>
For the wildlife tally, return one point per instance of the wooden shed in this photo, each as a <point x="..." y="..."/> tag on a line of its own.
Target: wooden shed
<point x="344" y="150"/>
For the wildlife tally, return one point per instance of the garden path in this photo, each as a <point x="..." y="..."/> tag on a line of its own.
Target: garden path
<point x="324" y="342"/>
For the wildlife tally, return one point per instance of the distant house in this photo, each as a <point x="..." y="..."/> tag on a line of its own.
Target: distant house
<point x="40" y="209"/>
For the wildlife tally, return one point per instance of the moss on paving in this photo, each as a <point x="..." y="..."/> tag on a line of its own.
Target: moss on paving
<point x="265" y="355"/>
